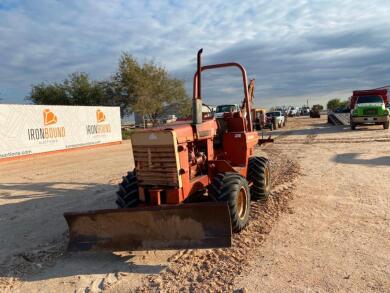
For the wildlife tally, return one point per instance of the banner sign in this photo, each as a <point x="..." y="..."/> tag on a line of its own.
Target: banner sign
<point x="31" y="129"/>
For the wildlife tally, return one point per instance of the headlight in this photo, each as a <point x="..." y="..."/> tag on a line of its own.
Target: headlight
<point x="386" y="112"/>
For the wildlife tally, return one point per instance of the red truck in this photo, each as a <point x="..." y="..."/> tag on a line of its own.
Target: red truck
<point x="369" y="107"/>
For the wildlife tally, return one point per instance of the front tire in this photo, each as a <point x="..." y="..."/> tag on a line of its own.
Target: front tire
<point x="386" y="125"/>
<point x="353" y="126"/>
<point x="233" y="188"/>
<point x="259" y="173"/>
<point x="127" y="195"/>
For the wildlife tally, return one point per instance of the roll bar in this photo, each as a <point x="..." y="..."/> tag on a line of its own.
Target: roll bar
<point x="197" y="86"/>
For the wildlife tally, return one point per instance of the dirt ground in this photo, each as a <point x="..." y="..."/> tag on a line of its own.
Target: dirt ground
<point x="326" y="227"/>
<point x="336" y="237"/>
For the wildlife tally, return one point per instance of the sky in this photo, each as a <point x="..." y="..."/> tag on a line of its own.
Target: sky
<point x="295" y="50"/>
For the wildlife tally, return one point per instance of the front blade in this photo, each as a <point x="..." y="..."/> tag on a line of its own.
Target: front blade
<point x="187" y="226"/>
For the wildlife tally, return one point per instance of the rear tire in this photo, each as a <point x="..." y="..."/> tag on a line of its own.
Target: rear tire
<point x="127" y="195"/>
<point x="233" y="188"/>
<point x="353" y="126"/>
<point x="386" y="125"/>
<point x="259" y="173"/>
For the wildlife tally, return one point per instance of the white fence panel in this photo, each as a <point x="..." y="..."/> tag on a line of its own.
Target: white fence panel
<point x="31" y="129"/>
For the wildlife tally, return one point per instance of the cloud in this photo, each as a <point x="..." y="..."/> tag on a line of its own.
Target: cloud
<point x="294" y="49"/>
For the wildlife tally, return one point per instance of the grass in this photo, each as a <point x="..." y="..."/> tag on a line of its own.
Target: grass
<point x="126" y="133"/>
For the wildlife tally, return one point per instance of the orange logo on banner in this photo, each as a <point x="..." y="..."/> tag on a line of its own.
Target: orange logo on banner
<point x="49" y="117"/>
<point x="100" y="117"/>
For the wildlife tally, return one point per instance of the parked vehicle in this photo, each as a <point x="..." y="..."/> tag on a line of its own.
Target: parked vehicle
<point x="293" y="112"/>
<point x="169" y="119"/>
<point x="369" y="107"/>
<point x="277" y="118"/>
<point x="228" y="108"/>
<point x="315" y="112"/>
<point x="284" y="112"/>
<point x="305" y="111"/>
<point x="259" y="118"/>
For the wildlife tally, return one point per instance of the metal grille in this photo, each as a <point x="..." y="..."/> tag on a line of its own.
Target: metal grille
<point x="372" y="111"/>
<point x="156" y="165"/>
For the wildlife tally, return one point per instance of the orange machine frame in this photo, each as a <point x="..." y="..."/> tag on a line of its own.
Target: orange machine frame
<point x="237" y="144"/>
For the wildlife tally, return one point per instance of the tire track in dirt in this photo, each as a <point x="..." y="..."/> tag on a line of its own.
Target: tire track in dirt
<point x="215" y="269"/>
<point x="42" y="257"/>
<point x="30" y="263"/>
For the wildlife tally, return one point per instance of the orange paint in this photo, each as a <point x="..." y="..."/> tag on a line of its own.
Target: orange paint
<point x="49" y="118"/>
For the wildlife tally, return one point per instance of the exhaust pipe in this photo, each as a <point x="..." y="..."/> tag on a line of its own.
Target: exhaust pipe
<point x="197" y="99"/>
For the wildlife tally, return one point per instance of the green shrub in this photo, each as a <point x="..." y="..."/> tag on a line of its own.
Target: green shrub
<point x="126" y="133"/>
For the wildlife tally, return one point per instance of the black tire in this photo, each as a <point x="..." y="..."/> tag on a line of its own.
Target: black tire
<point x="386" y="125"/>
<point x="127" y="195"/>
<point x="274" y="124"/>
<point x="271" y="127"/>
<point x="353" y="126"/>
<point x="233" y="188"/>
<point x="259" y="173"/>
<point x="284" y="122"/>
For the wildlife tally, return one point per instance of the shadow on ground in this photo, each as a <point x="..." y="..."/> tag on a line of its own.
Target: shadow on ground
<point x="34" y="232"/>
<point x="90" y="263"/>
<point x="325" y="128"/>
<point x="353" y="158"/>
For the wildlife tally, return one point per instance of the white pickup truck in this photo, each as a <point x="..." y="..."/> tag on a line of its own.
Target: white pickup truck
<point x="221" y="109"/>
<point x="278" y="119"/>
<point x="293" y="111"/>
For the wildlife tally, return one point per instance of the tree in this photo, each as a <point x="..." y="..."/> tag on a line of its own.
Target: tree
<point x="145" y="89"/>
<point x="320" y="107"/>
<point x="77" y="89"/>
<point x="124" y="82"/>
<point x="148" y="88"/>
<point x="49" y="94"/>
<point x="336" y="104"/>
<point x="343" y="104"/>
<point x="333" y="104"/>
